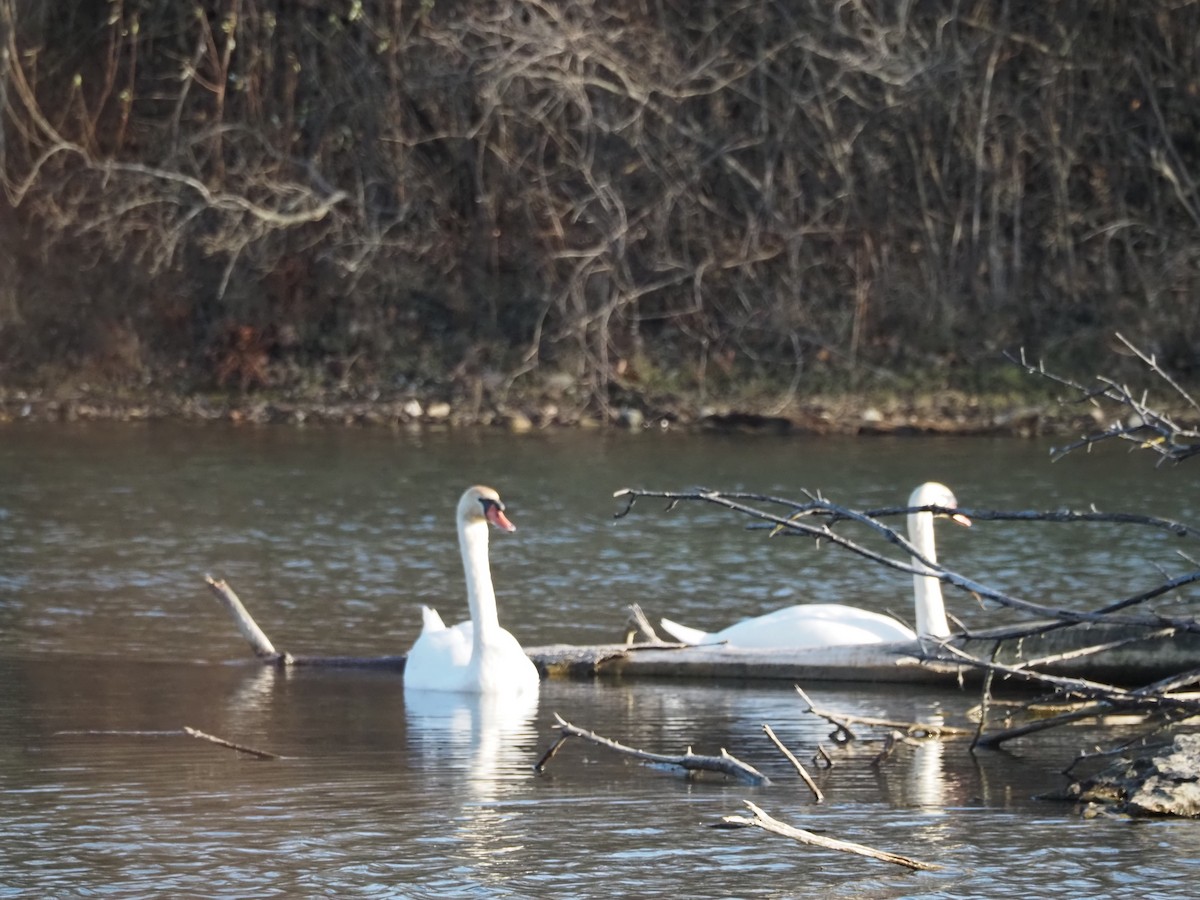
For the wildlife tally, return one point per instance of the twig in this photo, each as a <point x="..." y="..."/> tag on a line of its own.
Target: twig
<point x="767" y="823"/>
<point x="175" y="732"/>
<point x="812" y="785"/>
<point x="725" y="764"/>
<point x="240" y="748"/>
<point x="1173" y="443"/>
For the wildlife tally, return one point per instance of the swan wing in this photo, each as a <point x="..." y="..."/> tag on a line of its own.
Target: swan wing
<point x="431" y="620"/>
<point x="440" y="655"/>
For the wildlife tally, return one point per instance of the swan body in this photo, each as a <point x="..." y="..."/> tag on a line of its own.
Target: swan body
<point x="832" y="624"/>
<point x="477" y="656"/>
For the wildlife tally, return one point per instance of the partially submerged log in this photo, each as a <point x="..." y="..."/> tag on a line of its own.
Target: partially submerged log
<point x="1095" y="651"/>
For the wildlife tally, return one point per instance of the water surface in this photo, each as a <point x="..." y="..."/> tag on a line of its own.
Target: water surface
<point x="110" y="643"/>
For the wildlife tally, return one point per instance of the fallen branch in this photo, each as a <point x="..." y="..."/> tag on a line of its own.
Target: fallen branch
<point x="803" y="772"/>
<point x="767" y="823"/>
<point x="638" y="626"/>
<point x="724" y="764"/>
<point x="842" y="721"/>
<point x="175" y="732"/>
<point x="795" y="519"/>
<point x="265" y="650"/>
<point x="246" y="626"/>
<point x="240" y="748"/>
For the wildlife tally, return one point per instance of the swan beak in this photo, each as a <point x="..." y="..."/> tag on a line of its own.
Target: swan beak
<point x="494" y="513"/>
<point x="960" y="519"/>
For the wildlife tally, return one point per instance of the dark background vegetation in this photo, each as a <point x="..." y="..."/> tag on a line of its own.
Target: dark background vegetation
<point x="610" y="197"/>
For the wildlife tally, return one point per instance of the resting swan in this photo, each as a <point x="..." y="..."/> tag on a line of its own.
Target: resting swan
<point x="829" y="624"/>
<point x="478" y="656"/>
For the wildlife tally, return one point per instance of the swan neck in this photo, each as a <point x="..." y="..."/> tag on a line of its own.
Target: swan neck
<point x="927" y="589"/>
<point x="481" y="596"/>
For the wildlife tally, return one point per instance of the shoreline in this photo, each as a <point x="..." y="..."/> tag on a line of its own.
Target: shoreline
<point x="950" y="413"/>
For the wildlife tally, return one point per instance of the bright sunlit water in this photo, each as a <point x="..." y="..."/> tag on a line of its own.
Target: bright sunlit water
<point x="110" y="644"/>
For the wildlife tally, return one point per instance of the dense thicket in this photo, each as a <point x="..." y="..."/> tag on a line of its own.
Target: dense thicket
<point x="619" y="191"/>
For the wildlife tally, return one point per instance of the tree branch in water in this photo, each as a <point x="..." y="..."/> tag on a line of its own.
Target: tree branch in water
<point x="725" y="764"/>
<point x="767" y="823"/>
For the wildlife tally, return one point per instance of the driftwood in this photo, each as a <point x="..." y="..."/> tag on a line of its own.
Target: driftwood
<point x="842" y="721"/>
<point x="1156" y="655"/>
<point x="176" y="732"/>
<point x="767" y="823"/>
<point x="265" y="650"/>
<point x="796" y="764"/>
<point x="240" y="748"/>
<point x="725" y="764"/>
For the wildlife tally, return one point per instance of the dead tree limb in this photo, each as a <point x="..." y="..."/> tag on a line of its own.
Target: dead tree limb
<point x="843" y="721"/>
<point x="767" y="823"/>
<point x="240" y="748"/>
<point x="816" y="518"/>
<point x="246" y="626"/>
<point x="638" y="627"/>
<point x="725" y="764"/>
<point x="265" y="650"/>
<point x="799" y="767"/>
<point x="176" y="732"/>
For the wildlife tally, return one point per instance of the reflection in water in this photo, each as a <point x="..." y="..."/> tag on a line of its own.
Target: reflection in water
<point x="105" y="531"/>
<point x="482" y="742"/>
<point x="485" y="738"/>
<point x="926" y="781"/>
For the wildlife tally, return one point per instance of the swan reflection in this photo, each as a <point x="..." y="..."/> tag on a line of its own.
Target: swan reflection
<point x="473" y="750"/>
<point x="482" y="740"/>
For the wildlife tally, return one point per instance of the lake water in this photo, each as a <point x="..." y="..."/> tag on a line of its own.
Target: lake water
<point x="110" y="644"/>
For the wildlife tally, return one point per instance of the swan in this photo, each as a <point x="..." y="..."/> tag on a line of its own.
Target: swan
<point x="829" y="624"/>
<point x="477" y="657"/>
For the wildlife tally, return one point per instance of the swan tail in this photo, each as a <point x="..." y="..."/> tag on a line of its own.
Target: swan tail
<point x="430" y="620"/>
<point x="683" y="633"/>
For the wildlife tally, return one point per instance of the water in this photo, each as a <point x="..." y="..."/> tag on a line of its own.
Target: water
<point x="110" y="644"/>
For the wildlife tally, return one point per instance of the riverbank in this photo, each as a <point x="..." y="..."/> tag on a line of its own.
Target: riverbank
<point x="939" y="412"/>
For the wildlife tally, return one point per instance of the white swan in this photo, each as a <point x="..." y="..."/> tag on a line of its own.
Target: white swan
<point x="478" y="656"/>
<point x="829" y="624"/>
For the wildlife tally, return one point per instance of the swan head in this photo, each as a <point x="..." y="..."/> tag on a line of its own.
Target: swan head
<point x="483" y="504"/>
<point x="931" y="493"/>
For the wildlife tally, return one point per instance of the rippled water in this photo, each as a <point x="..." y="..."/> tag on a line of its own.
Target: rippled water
<point x="110" y="644"/>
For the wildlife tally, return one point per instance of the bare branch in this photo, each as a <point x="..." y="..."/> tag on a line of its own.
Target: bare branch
<point x="796" y="764"/>
<point x="767" y="823"/>
<point x="724" y="764"/>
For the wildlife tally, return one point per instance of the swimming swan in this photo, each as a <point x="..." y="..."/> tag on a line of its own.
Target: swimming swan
<point x="478" y="656"/>
<point x="830" y="624"/>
